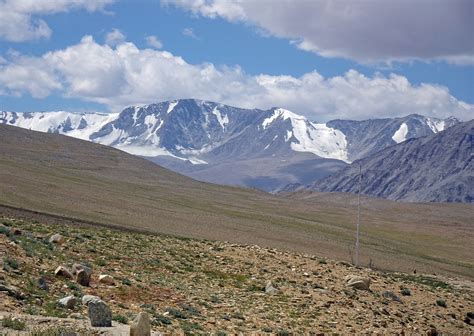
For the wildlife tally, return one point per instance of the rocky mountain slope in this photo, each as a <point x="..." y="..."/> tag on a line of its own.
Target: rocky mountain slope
<point x="435" y="168"/>
<point x="195" y="287"/>
<point x="222" y="144"/>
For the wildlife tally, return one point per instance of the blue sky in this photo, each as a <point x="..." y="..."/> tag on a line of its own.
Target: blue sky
<point x="239" y="49"/>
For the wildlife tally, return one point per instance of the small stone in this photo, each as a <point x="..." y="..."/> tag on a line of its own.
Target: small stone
<point x="358" y="282"/>
<point x="83" y="278"/>
<point x="99" y="313"/>
<point x="68" y="302"/>
<point x="56" y="239"/>
<point x="141" y="325"/>
<point x="270" y="289"/>
<point x="63" y="271"/>
<point x="391" y="296"/>
<point x="42" y="284"/>
<point x="106" y="279"/>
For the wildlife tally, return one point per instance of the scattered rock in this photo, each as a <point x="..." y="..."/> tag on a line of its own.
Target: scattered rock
<point x="68" y="302"/>
<point x="270" y="289"/>
<point x="79" y="267"/>
<point x="106" y="279"/>
<point x="56" y="239"/>
<point x="83" y="274"/>
<point x="391" y="296"/>
<point x="42" y="284"/>
<point x="83" y="278"/>
<point x="141" y="325"/>
<point x="12" y="291"/>
<point x="99" y="313"/>
<point x="63" y="271"/>
<point x="358" y="282"/>
<point x="89" y="298"/>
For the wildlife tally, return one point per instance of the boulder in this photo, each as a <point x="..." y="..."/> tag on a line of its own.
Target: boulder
<point x="99" y="313"/>
<point x="270" y="289"/>
<point x="63" y="271"/>
<point x="68" y="302"/>
<point x="79" y="267"/>
<point x="83" y="274"/>
<point x="358" y="282"/>
<point x="83" y="278"/>
<point x="106" y="279"/>
<point x="89" y="298"/>
<point x="56" y="239"/>
<point x="141" y="325"/>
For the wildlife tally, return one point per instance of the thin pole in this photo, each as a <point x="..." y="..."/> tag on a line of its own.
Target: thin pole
<point x="358" y="218"/>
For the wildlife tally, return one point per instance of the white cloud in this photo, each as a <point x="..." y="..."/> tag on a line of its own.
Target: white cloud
<point x="125" y="75"/>
<point x="154" y="42"/>
<point x="114" y="37"/>
<point x="365" y="31"/>
<point x="189" y="32"/>
<point x="19" y="18"/>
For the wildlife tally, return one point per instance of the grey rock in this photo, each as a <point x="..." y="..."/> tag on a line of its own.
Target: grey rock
<point x="68" y="302"/>
<point x="391" y="296"/>
<point x="99" y="313"/>
<point x="57" y="239"/>
<point x="90" y="298"/>
<point x="270" y="289"/>
<point x="42" y="284"/>
<point x="83" y="274"/>
<point x="358" y="282"/>
<point x="141" y="325"/>
<point x="78" y="267"/>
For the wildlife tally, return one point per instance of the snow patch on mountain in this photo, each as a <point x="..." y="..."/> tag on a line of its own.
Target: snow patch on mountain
<point x="223" y="120"/>
<point x="401" y="134"/>
<point x="436" y="125"/>
<point x="77" y="125"/>
<point x="171" y="105"/>
<point x="319" y="139"/>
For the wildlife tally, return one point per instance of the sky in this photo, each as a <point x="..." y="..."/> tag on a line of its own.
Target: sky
<point x="324" y="59"/>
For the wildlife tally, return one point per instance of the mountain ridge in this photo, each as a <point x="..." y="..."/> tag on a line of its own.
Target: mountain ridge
<point x="400" y="172"/>
<point x="267" y="149"/>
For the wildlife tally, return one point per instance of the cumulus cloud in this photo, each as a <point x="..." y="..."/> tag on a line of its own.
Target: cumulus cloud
<point x="365" y="31"/>
<point x="19" y="19"/>
<point x="154" y="42"/>
<point x="126" y="75"/>
<point x="114" y="37"/>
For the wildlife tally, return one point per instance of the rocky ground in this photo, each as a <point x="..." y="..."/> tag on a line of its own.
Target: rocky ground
<point x="207" y="287"/>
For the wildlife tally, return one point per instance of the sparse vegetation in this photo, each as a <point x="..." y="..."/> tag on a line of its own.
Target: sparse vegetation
<point x="120" y="318"/>
<point x="12" y="323"/>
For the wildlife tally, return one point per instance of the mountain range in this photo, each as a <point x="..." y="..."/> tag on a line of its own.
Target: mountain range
<point x="208" y="141"/>
<point x="435" y="168"/>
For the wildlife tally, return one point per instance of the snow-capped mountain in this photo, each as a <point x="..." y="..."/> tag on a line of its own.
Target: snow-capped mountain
<point x="266" y="149"/>
<point x="435" y="168"/>
<point x="369" y="136"/>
